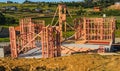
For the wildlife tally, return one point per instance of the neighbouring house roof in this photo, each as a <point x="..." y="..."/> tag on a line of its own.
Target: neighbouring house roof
<point x="9" y="8"/>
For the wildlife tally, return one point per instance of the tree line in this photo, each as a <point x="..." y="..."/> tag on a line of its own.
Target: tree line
<point x="84" y="3"/>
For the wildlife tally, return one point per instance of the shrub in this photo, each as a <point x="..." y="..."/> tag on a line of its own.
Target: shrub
<point x="10" y="20"/>
<point x="81" y="12"/>
<point x="118" y="25"/>
<point x="2" y="19"/>
<point x="6" y="20"/>
<point x="96" y="13"/>
<point x="112" y="12"/>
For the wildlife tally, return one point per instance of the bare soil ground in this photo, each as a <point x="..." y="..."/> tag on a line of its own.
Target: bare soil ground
<point x="77" y="62"/>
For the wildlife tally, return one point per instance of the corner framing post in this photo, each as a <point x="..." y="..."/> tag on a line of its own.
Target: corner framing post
<point x="31" y="34"/>
<point x="113" y="28"/>
<point x="84" y="26"/>
<point x="101" y="28"/>
<point x="62" y="18"/>
<point x="58" y="44"/>
<point x="44" y="41"/>
<point x="13" y="44"/>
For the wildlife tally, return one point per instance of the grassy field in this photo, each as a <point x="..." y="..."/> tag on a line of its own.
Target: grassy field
<point x="117" y="33"/>
<point x="19" y="5"/>
<point x="77" y="62"/>
<point x="49" y="19"/>
<point x="4" y="39"/>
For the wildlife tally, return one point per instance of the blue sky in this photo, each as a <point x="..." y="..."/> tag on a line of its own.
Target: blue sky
<point x="20" y="1"/>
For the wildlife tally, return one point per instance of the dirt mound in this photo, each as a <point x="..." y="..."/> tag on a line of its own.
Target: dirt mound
<point x="114" y="7"/>
<point x="78" y="62"/>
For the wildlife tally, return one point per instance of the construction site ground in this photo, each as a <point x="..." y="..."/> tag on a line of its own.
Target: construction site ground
<point x="67" y="48"/>
<point x="76" y="62"/>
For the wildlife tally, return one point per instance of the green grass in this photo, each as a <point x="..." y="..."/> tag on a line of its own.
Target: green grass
<point x="30" y="6"/>
<point x="8" y="25"/>
<point x="68" y="34"/>
<point x="49" y="19"/>
<point x="4" y="39"/>
<point x="46" y="19"/>
<point x="117" y="33"/>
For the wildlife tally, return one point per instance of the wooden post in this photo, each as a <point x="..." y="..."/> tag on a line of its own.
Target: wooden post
<point x="62" y="18"/>
<point x="13" y="43"/>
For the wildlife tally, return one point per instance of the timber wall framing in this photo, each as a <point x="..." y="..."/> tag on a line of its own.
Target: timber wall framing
<point x="98" y="30"/>
<point x="32" y="32"/>
<point x="50" y="42"/>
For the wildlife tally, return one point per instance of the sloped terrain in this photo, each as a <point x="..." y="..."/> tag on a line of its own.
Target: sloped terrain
<point x="78" y="62"/>
<point x="114" y="7"/>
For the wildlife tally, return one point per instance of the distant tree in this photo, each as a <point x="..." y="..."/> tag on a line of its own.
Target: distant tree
<point x="9" y="1"/>
<point x="88" y="3"/>
<point x="6" y="20"/>
<point x="10" y="20"/>
<point x="81" y="11"/>
<point x="101" y="3"/>
<point x="27" y="1"/>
